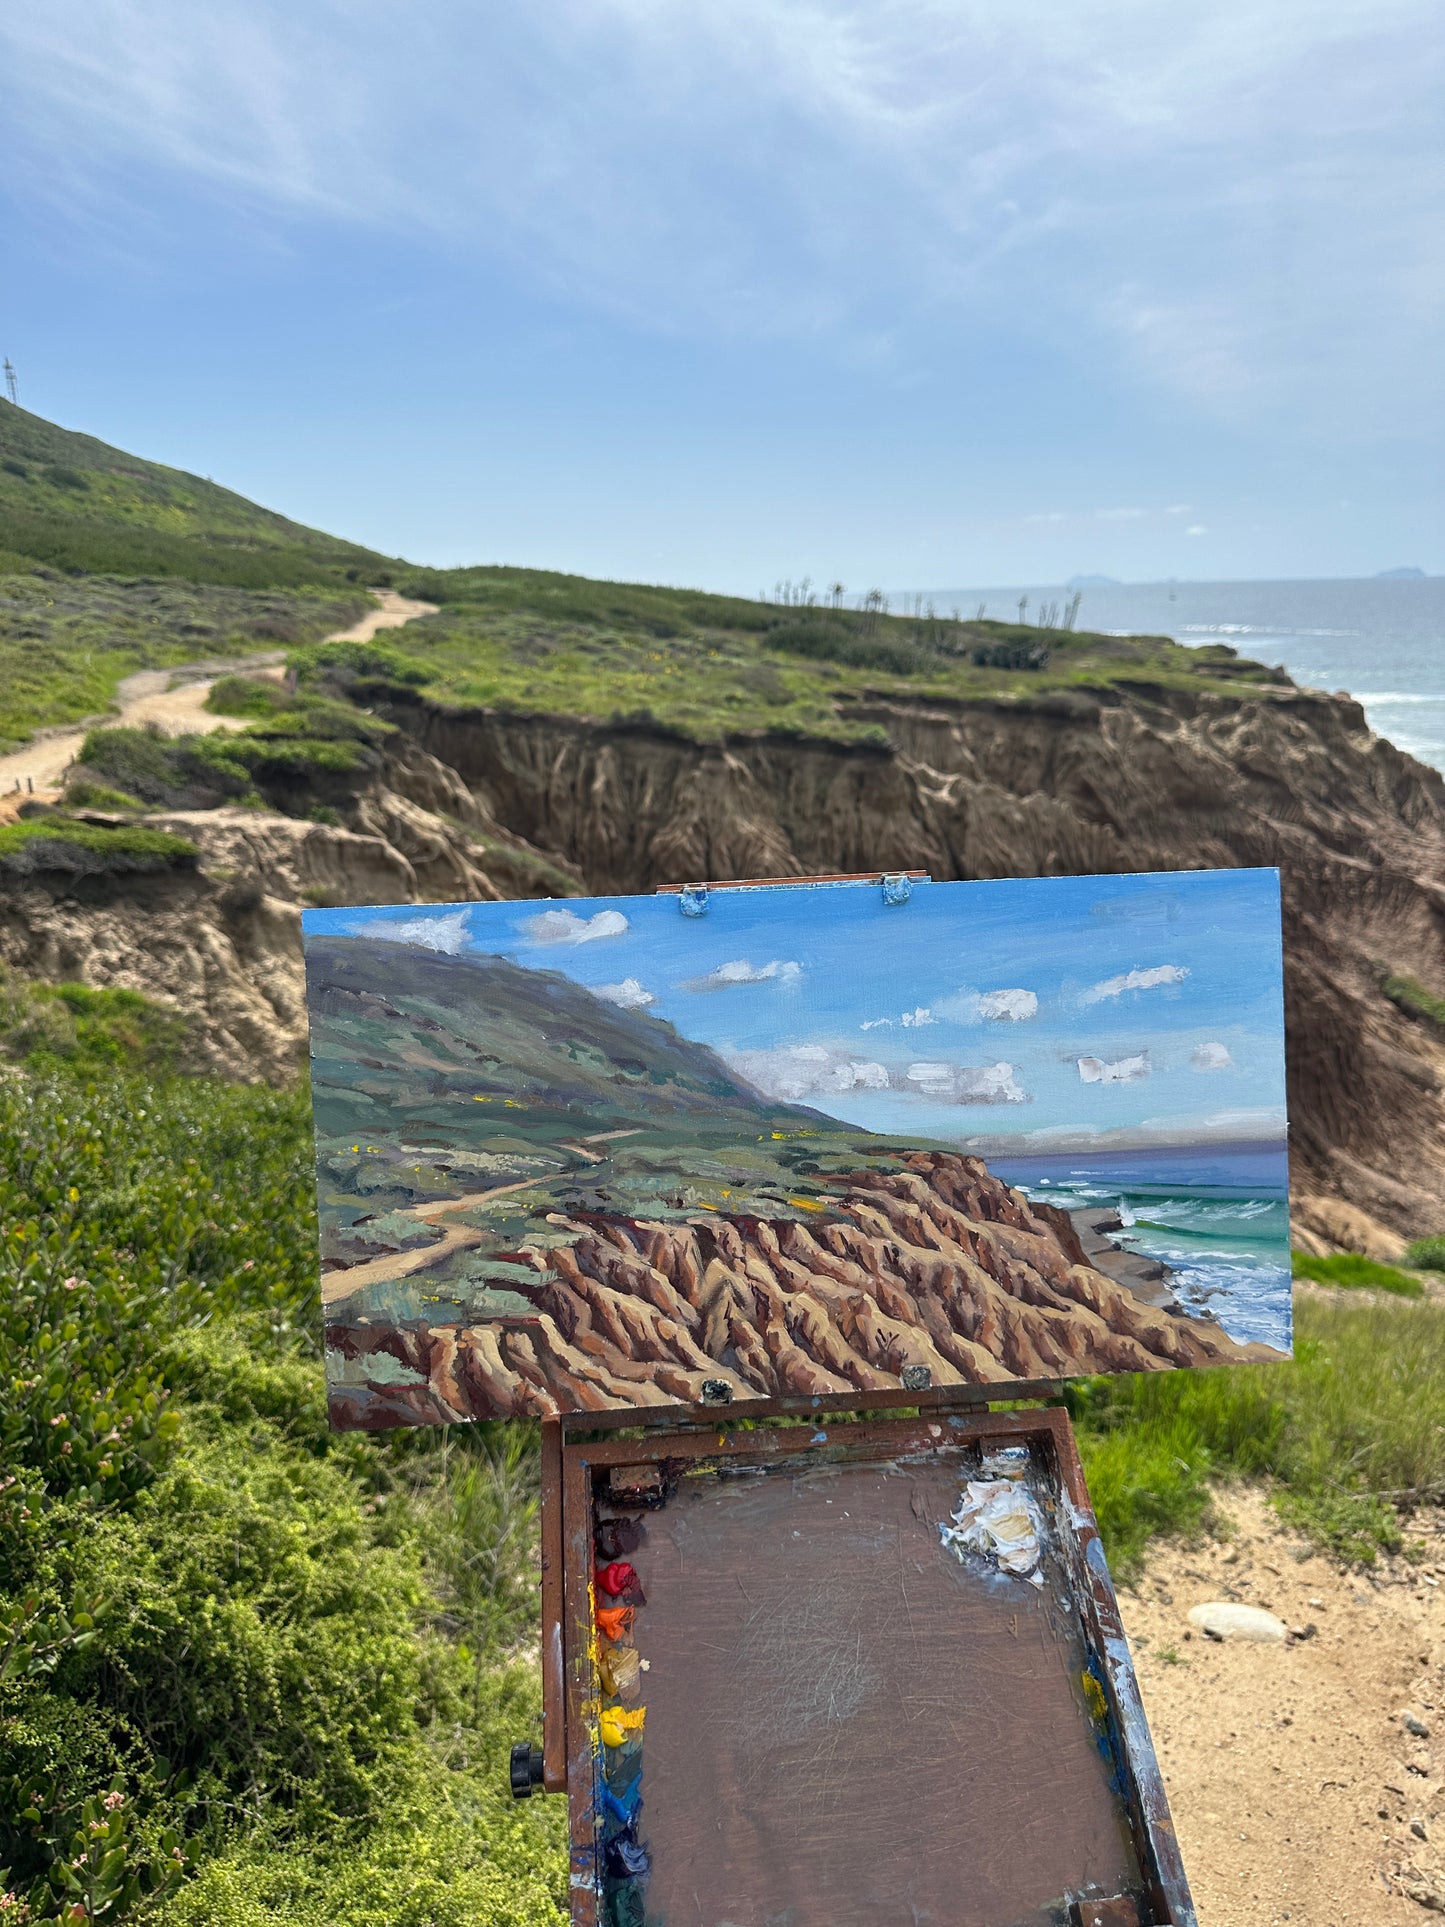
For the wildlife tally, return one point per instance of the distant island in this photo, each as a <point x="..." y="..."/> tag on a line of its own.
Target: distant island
<point x="1092" y="582"/>
<point x="1400" y="575"/>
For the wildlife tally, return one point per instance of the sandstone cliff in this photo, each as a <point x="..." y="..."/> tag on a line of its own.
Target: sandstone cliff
<point x="1129" y="778"/>
<point x="475" y="802"/>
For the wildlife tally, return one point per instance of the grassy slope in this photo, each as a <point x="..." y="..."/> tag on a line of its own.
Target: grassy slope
<point x="532" y="639"/>
<point x="710" y="665"/>
<point x="76" y="503"/>
<point x="66" y="642"/>
<point x="328" y="1738"/>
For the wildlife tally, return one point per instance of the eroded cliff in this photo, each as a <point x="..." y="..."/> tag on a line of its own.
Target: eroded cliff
<point x="1134" y="776"/>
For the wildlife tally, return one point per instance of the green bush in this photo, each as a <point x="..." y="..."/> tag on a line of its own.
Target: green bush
<point x="1426" y="1254"/>
<point x="1411" y="996"/>
<point x="83" y="795"/>
<point x="55" y="843"/>
<point x="1350" y="1272"/>
<point x="284" y="1657"/>
<point x="245" y="696"/>
<point x="48" y="1025"/>
<point x="836" y="639"/>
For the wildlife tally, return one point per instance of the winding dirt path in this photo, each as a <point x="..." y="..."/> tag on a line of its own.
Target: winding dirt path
<point x="175" y="701"/>
<point x="401" y="1264"/>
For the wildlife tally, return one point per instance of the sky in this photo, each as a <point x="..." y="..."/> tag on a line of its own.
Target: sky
<point x="1040" y="1015"/>
<point x="719" y="292"/>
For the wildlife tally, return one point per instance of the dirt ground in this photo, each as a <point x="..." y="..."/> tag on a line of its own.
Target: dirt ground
<point x="1293" y="1780"/>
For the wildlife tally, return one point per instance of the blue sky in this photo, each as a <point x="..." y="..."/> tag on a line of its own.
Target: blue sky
<point x="1045" y="1014"/>
<point x="899" y="292"/>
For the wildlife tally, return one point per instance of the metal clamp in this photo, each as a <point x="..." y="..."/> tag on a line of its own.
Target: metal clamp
<point x="692" y="899"/>
<point x="898" y="887"/>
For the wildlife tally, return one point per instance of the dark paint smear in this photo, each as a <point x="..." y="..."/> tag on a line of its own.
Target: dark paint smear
<point x="847" y="1727"/>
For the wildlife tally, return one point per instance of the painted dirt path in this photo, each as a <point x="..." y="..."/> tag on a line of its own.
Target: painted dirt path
<point x="1293" y="1780"/>
<point x="174" y="700"/>
<point x="341" y="1283"/>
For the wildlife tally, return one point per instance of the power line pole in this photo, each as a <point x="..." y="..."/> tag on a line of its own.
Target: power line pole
<point x="11" y="387"/>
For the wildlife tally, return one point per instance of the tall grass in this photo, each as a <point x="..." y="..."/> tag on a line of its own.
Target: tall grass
<point x="1355" y="1424"/>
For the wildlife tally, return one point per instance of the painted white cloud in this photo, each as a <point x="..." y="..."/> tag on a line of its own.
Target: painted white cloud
<point x="1123" y="1070"/>
<point x="565" y="926"/>
<point x="801" y="1071"/>
<point x="628" y="995"/>
<point x="1210" y="1057"/>
<point x="1154" y="979"/>
<point x="988" y="1006"/>
<point x="967" y="1083"/>
<point x="917" y="1019"/>
<point x="877" y="1023"/>
<point x="729" y="976"/>
<point x="448" y="934"/>
<point x="1008" y="1006"/>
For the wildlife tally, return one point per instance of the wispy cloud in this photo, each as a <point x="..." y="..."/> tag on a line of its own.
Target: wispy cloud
<point x="1015" y="1006"/>
<point x="799" y="1071"/>
<point x="566" y="927"/>
<point x="447" y="935"/>
<point x="734" y="975"/>
<point x="1123" y="173"/>
<point x="1157" y="978"/>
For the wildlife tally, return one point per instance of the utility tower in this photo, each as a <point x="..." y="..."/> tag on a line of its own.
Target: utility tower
<point x="11" y="386"/>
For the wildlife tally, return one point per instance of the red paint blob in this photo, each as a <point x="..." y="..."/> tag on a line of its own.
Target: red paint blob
<point x="617" y="1578"/>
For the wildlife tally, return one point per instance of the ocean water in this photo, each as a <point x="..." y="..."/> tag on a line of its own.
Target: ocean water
<point x="1218" y="1217"/>
<point x="1382" y="640"/>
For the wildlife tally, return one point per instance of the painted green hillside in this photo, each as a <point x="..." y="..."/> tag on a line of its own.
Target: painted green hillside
<point x="524" y="1094"/>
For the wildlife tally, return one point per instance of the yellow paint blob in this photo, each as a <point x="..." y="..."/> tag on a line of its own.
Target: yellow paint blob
<point x="616" y="1722"/>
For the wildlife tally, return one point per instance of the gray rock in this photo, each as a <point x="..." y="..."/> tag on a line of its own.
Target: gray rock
<point x="1412" y="1725"/>
<point x="1223" y="1619"/>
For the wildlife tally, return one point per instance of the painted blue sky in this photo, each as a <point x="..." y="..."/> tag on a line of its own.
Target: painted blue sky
<point x="900" y="292"/>
<point x="1049" y="1013"/>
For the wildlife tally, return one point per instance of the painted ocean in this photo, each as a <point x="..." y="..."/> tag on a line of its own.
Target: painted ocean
<point x="1218" y="1218"/>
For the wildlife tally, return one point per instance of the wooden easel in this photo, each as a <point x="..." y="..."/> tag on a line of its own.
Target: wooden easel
<point x="585" y="1465"/>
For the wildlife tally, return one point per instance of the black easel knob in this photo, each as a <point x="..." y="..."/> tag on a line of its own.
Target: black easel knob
<point x="526" y="1769"/>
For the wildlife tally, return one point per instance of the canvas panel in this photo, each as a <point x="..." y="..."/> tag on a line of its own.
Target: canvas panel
<point x="603" y="1155"/>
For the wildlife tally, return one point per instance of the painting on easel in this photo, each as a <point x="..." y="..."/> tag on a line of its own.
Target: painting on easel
<point x="796" y="1141"/>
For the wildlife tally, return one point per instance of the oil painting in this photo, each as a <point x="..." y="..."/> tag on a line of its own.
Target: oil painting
<point x="796" y="1141"/>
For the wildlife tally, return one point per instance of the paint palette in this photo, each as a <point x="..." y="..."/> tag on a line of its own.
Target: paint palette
<point x="850" y="1676"/>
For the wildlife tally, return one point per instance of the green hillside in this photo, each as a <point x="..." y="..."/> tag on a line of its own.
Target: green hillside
<point x="703" y="665"/>
<point x="75" y="503"/>
<point x="447" y="1077"/>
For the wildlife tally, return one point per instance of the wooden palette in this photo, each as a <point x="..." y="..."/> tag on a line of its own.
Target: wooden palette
<point x="847" y="1721"/>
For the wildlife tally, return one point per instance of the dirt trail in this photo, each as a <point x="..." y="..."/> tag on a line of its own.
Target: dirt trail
<point x="1293" y="1780"/>
<point x="174" y="699"/>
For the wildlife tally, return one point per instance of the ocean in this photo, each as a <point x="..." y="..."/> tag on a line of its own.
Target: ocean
<point x="1381" y="639"/>
<point x="1218" y="1216"/>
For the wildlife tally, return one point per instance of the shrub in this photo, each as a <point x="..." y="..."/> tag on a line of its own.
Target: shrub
<point x="834" y="639"/>
<point x="1410" y="996"/>
<point x="89" y="849"/>
<point x="1349" y="1272"/>
<point x="1426" y="1254"/>
<point x="83" y="795"/>
<point x="245" y="696"/>
<point x="87" y="1028"/>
